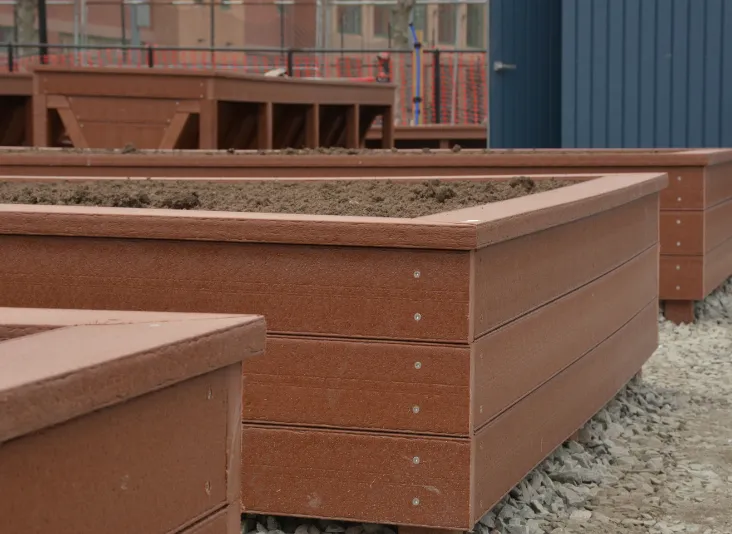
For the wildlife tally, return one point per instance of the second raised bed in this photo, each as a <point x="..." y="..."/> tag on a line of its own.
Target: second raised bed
<point x="416" y="369"/>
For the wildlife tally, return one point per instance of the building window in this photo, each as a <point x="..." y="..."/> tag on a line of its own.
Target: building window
<point x="446" y="17"/>
<point x="382" y="18"/>
<point x="475" y="37"/>
<point x="349" y="19"/>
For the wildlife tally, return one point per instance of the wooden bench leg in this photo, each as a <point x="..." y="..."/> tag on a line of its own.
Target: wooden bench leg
<point x="679" y="311"/>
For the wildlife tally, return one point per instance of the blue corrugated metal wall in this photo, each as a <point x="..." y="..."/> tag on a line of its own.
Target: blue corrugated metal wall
<point x="525" y="103"/>
<point x="646" y="73"/>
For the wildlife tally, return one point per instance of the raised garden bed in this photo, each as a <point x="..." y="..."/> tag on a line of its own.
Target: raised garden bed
<point x="122" y="421"/>
<point x="177" y="108"/>
<point x="416" y="368"/>
<point x="696" y="208"/>
<point x="16" y="110"/>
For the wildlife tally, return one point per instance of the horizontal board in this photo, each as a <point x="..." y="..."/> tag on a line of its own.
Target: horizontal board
<point x="375" y="478"/>
<point x="359" y="385"/>
<point x="141" y="84"/>
<point x="152" y="464"/>
<point x="681" y="277"/>
<point x="517" y="276"/>
<point x="717" y="184"/>
<point x="717" y="266"/>
<point x="717" y="226"/>
<point x="217" y="523"/>
<point x="682" y="232"/>
<point x="514" y="360"/>
<point x="539" y="423"/>
<point x="333" y="291"/>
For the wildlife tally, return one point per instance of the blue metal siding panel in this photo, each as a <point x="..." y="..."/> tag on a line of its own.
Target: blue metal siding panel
<point x="664" y="20"/>
<point x="616" y="78"/>
<point x="569" y="84"/>
<point x="679" y="73"/>
<point x="631" y="96"/>
<point x="725" y="118"/>
<point x="525" y="104"/>
<point x="646" y="73"/>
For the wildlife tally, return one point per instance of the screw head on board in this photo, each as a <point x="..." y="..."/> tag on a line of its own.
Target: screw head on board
<point x="415" y="409"/>
<point x="417" y="316"/>
<point x="418" y="365"/>
<point x="415" y="502"/>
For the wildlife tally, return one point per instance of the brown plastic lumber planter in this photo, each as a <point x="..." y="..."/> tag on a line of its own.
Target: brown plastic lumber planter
<point x="432" y="136"/>
<point x="15" y="109"/>
<point x="416" y="369"/>
<point x="696" y="218"/>
<point x="122" y="421"/>
<point x="162" y="108"/>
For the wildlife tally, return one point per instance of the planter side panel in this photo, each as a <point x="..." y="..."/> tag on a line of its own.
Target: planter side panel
<point x="540" y="422"/>
<point x="717" y="184"/>
<point x="360" y="385"/>
<point x="520" y="275"/>
<point x="336" y="291"/>
<point x="514" y="360"/>
<point x="357" y="476"/>
<point x="152" y="464"/>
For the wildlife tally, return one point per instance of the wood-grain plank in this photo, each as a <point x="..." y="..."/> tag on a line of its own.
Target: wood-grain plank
<point x="681" y="278"/>
<point x="375" y="478"/>
<point x="517" y="276"/>
<point x="150" y="464"/>
<point x="514" y="360"/>
<point x="330" y="291"/>
<point x="360" y="385"/>
<point x="682" y="232"/>
<point x="515" y="442"/>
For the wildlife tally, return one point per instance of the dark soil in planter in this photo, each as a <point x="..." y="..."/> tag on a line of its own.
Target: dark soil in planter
<point x="358" y="197"/>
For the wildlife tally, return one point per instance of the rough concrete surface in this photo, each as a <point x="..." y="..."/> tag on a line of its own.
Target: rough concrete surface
<point x="656" y="459"/>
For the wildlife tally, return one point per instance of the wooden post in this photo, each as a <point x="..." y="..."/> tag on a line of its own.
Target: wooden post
<point x="679" y="311"/>
<point x="265" y="127"/>
<point x="312" y="126"/>
<point x="352" y="127"/>
<point x="387" y="127"/>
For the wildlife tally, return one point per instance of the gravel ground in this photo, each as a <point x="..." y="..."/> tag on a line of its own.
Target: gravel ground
<point x="656" y="459"/>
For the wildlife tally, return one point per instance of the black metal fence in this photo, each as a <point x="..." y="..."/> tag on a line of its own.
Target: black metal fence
<point x="434" y="86"/>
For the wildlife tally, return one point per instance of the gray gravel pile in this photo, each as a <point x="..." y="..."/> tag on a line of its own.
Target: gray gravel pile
<point x="656" y="459"/>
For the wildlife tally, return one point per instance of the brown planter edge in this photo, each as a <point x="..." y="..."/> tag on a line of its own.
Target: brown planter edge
<point x="94" y="401"/>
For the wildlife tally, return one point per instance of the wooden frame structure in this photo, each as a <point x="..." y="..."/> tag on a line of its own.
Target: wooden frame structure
<point x="16" y="119"/>
<point x="431" y="353"/>
<point x="433" y="136"/>
<point x="122" y="418"/>
<point x="167" y="108"/>
<point x="696" y="218"/>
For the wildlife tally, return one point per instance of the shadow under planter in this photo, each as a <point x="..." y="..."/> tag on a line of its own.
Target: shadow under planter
<point x="122" y="421"/>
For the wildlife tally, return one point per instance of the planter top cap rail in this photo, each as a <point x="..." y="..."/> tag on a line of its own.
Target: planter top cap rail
<point x="214" y="84"/>
<point x="43" y="382"/>
<point x="463" y="229"/>
<point x="64" y="157"/>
